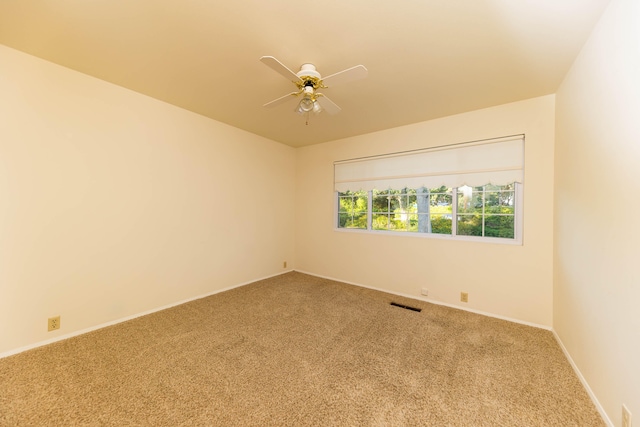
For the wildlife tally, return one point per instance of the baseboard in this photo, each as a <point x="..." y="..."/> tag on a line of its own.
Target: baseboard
<point x="431" y="301"/>
<point x="584" y="382"/>
<point x="127" y="318"/>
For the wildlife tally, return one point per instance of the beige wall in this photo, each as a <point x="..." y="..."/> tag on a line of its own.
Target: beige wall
<point x="597" y="237"/>
<point x="506" y="280"/>
<point x="113" y="203"/>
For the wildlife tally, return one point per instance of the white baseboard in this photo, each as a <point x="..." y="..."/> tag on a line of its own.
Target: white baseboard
<point x="584" y="382"/>
<point x="124" y="319"/>
<point x="432" y="301"/>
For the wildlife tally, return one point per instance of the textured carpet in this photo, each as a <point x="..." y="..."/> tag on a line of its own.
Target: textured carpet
<point x="297" y="350"/>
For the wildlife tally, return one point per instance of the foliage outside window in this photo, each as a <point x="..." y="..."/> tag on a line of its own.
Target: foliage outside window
<point x="487" y="211"/>
<point x="416" y="210"/>
<point x="484" y="211"/>
<point x="352" y="210"/>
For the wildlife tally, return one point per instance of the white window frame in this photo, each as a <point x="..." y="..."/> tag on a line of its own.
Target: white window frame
<point x="518" y="222"/>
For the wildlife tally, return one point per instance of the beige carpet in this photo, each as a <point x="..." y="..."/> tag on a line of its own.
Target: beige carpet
<point x="297" y="350"/>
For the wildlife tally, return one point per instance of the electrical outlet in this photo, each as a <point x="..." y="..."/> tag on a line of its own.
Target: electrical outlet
<point x="464" y="297"/>
<point x="284" y="264"/>
<point x="54" y="323"/>
<point x="424" y="291"/>
<point x="626" y="417"/>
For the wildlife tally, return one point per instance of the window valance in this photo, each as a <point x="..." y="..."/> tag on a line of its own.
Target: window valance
<point x="497" y="161"/>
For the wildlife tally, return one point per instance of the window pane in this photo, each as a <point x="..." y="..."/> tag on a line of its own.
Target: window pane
<point x="442" y="189"/>
<point x="420" y="224"/>
<point x="470" y="225"/>
<point x="394" y="202"/>
<point x="440" y="195"/>
<point x="441" y="224"/>
<point x="422" y="204"/>
<point x="352" y="221"/>
<point x="499" y="202"/>
<point x="413" y="222"/>
<point x="350" y="199"/>
<point x="499" y="226"/>
<point x="492" y="202"/>
<point x="469" y="201"/>
<point x="380" y="201"/>
<point x="342" y="219"/>
<point x="491" y="187"/>
<point x="380" y="222"/>
<point x="441" y="203"/>
<point x="507" y="199"/>
<point x="399" y="223"/>
<point x="352" y="210"/>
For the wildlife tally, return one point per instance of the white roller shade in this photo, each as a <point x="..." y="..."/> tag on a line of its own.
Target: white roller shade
<point x="498" y="161"/>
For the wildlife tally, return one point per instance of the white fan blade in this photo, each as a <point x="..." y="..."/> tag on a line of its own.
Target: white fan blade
<point x="281" y="100"/>
<point x="280" y="68"/>
<point x="350" y="74"/>
<point x="327" y="105"/>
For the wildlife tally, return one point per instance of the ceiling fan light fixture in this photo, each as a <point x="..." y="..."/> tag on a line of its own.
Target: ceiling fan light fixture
<point x="306" y="105"/>
<point x="308" y="80"/>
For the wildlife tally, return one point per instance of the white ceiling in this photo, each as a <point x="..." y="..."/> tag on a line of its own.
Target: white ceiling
<point x="426" y="58"/>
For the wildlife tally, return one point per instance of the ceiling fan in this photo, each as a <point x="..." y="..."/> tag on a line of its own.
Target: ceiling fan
<point x="308" y="80"/>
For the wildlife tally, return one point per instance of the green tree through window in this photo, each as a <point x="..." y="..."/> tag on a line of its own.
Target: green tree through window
<point x="484" y="211"/>
<point x="352" y="211"/>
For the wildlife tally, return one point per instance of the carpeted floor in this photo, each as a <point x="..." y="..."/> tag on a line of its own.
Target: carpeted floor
<point x="297" y="350"/>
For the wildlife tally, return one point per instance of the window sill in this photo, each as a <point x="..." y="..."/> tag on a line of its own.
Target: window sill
<point x="490" y="240"/>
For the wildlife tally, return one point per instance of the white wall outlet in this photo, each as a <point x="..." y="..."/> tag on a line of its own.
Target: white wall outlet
<point x="424" y="291"/>
<point x="626" y="417"/>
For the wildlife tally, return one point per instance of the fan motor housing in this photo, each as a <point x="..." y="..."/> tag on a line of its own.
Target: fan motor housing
<point x="309" y="77"/>
<point x="308" y="70"/>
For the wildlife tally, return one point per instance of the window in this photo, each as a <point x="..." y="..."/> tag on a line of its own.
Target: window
<point x="483" y="211"/>
<point x="468" y="191"/>
<point x="415" y="210"/>
<point x="352" y="210"/>
<point x="487" y="211"/>
<point x="393" y="210"/>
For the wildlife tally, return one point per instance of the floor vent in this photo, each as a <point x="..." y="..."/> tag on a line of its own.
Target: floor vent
<point x="395" y="304"/>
